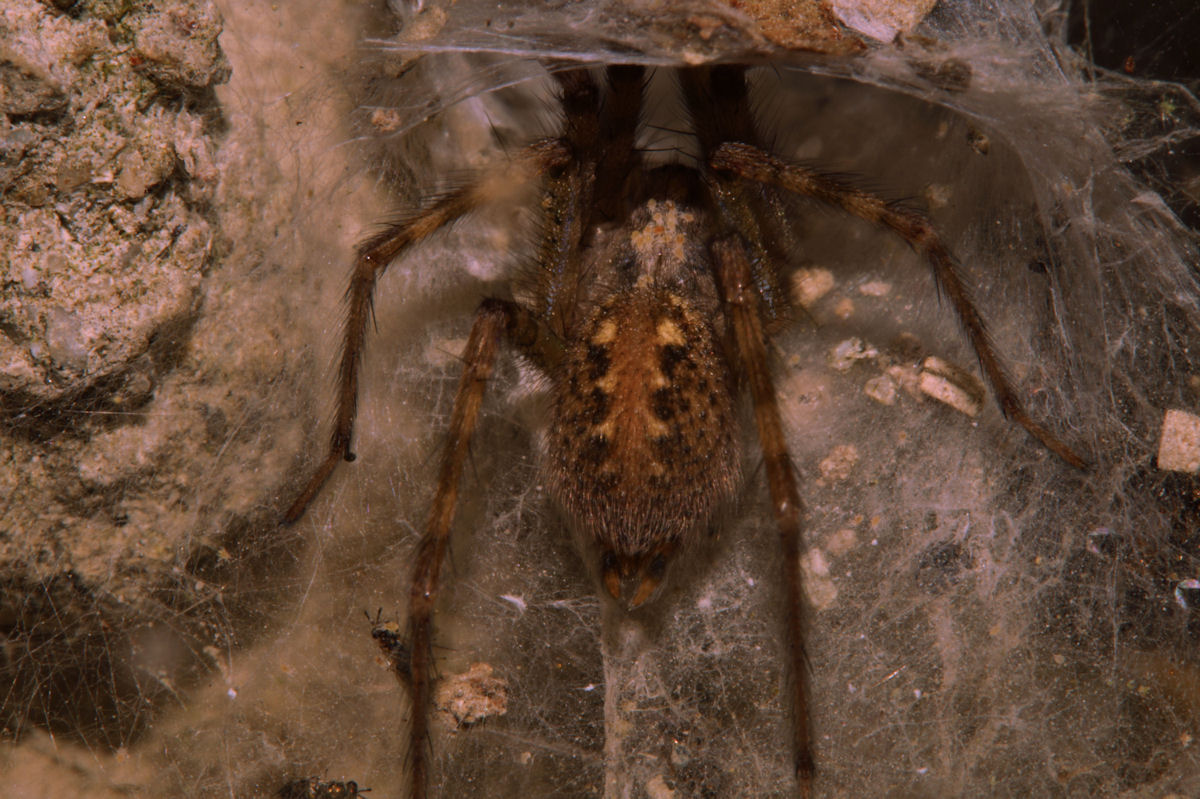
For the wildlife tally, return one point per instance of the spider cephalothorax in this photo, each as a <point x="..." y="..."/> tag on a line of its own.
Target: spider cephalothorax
<point x="649" y="308"/>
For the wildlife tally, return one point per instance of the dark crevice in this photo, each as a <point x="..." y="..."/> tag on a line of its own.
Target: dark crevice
<point x="108" y="401"/>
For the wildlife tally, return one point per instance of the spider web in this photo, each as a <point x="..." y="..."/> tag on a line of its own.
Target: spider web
<point x="983" y="619"/>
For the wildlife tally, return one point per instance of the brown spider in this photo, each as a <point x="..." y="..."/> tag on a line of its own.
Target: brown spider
<point x="649" y="311"/>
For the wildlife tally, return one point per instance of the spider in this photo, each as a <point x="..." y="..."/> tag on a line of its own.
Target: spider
<point x="649" y="309"/>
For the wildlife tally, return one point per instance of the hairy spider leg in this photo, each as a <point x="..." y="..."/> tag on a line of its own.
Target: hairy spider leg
<point x="621" y="113"/>
<point x="599" y="134"/>
<point x="566" y="202"/>
<point x="374" y="256"/>
<point x="753" y="164"/>
<point x="719" y="104"/>
<point x="537" y="334"/>
<point x="747" y="263"/>
<point x="740" y="302"/>
<point x="494" y="319"/>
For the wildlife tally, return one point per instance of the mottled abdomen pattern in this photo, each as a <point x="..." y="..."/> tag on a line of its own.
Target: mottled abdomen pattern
<point x="642" y="445"/>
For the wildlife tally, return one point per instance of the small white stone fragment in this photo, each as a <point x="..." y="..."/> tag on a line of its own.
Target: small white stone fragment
<point x="839" y="462"/>
<point x="875" y="288"/>
<point x="849" y="352"/>
<point x="882" y="19"/>
<point x="821" y="592"/>
<point x="906" y="377"/>
<point x="842" y="541"/>
<point x="882" y="389"/>
<point x="938" y="195"/>
<point x="810" y="285"/>
<point x="1179" y="444"/>
<point x="472" y="696"/>
<point x="816" y="563"/>
<point x="516" y="601"/>
<point x="386" y="120"/>
<point x="818" y="585"/>
<point x="65" y="339"/>
<point x="951" y="385"/>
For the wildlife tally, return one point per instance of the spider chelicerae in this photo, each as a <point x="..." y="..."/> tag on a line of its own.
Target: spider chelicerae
<point x="648" y="308"/>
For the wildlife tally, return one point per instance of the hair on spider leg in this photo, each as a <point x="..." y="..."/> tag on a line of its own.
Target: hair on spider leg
<point x="650" y="312"/>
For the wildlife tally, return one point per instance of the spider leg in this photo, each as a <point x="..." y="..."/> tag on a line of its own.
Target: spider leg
<point x="753" y="296"/>
<point x="566" y="203"/>
<point x="744" y="316"/>
<point x="374" y="256"/>
<point x="719" y="103"/>
<point x="753" y="164"/>
<point x="494" y="319"/>
<point x="599" y="131"/>
<point x="620" y="115"/>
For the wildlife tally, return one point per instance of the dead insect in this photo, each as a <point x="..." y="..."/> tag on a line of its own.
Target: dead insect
<point x="395" y="649"/>
<point x="313" y="788"/>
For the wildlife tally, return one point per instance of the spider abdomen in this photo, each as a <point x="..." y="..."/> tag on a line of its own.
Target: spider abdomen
<point x="642" y="446"/>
